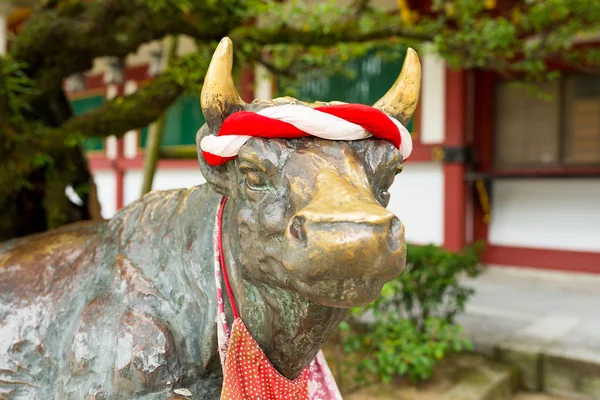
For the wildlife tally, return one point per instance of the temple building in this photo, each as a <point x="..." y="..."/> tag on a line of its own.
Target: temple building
<point x="491" y="162"/>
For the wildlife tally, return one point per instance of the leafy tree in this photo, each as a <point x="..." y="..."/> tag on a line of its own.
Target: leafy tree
<point x="40" y="138"/>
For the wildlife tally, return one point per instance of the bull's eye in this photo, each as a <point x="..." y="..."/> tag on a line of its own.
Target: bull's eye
<point x="256" y="180"/>
<point x="384" y="197"/>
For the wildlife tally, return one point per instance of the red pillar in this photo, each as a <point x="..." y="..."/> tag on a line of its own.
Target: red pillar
<point x="455" y="188"/>
<point x="119" y="175"/>
<point x="247" y="83"/>
<point x="117" y="163"/>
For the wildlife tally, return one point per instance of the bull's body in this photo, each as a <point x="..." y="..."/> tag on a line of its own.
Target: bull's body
<point x="126" y="309"/>
<point x="122" y="309"/>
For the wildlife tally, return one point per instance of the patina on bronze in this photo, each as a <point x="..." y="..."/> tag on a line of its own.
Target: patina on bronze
<point x="125" y="309"/>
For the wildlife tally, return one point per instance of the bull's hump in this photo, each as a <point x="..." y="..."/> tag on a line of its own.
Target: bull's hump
<point x="36" y="264"/>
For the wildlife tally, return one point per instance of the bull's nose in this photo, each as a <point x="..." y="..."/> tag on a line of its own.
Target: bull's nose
<point x="388" y="224"/>
<point x="323" y="247"/>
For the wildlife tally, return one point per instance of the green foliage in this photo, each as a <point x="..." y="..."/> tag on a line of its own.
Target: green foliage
<point x="395" y="347"/>
<point x="472" y="34"/>
<point x="14" y="86"/>
<point x="414" y="318"/>
<point x="16" y="132"/>
<point x="189" y="70"/>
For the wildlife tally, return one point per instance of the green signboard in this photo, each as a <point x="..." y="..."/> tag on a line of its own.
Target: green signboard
<point x="184" y="118"/>
<point x="372" y="76"/>
<point x="83" y="105"/>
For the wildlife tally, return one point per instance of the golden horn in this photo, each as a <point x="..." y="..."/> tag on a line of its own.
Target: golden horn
<point x="401" y="100"/>
<point x="219" y="97"/>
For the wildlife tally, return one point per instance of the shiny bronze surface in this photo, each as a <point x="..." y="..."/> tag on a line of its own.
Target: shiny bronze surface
<point x="219" y="97"/>
<point x="125" y="309"/>
<point x="402" y="98"/>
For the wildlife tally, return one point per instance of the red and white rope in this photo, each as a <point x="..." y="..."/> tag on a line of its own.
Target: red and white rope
<point x="334" y="122"/>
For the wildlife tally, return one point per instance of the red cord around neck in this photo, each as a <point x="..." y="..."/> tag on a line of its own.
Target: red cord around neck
<point x="222" y="258"/>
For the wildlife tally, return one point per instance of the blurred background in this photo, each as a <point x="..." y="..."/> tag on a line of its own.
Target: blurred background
<point x="99" y="103"/>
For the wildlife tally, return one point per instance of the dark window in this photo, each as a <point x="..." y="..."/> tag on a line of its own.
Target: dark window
<point x="562" y="130"/>
<point x="582" y="120"/>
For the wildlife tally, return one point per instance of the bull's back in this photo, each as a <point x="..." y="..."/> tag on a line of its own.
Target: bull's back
<point x="41" y="295"/>
<point x="32" y="265"/>
<point x="94" y="309"/>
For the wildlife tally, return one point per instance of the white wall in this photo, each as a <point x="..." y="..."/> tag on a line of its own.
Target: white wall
<point x="561" y="214"/>
<point x="433" y="98"/>
<point x="163" y="180"/>
<point x="3" y="28"/>
<point x="105" y="185"/>
<point x="263" y="83"/>
<point x="417" y="198"/>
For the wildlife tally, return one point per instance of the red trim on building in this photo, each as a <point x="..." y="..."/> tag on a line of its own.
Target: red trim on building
<point x="102" y="163"/>
<point x="561" y="260"/>
<point x="138" y="73"/>
<point x="94" y="84"/>
<point x="455" y="189"/>
<point x="421" y="153"/>
<point x="99" y="161"/>
<point x="546" y="171"/>
<point x="247" y="84"/>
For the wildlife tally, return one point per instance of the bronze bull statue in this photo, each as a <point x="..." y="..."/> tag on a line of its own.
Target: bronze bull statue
<point x="125" y="309"/>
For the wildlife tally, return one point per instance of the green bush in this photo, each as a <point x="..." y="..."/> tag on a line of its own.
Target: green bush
<point x="414" y="318"/>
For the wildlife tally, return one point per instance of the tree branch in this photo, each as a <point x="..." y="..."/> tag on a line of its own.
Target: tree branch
<point x="119" y="115"/>
<point x="60" y="41"/>
<point x="346" y="32"/>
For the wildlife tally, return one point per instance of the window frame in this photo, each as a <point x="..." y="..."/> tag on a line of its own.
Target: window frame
<point x="562" y="137"/>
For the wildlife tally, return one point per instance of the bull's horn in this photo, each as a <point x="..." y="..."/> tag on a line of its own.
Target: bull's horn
<point x="219" y="97"/>
<point x="402" y="98"/>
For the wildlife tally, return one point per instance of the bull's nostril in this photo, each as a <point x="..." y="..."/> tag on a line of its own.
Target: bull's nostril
<point x="297" y="230"/>
<point x="394" y="238"/>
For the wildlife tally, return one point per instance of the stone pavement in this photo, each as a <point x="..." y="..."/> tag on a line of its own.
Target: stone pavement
<point x="545" y="323"/>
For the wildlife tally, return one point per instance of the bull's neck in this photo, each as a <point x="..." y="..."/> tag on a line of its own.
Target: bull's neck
<point x="289" y="328"/>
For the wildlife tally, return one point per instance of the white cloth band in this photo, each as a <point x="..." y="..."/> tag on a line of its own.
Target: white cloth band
<point x="309" y="120"/>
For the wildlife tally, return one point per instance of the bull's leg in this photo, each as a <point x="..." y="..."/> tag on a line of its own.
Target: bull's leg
<point x="206" y="388"/>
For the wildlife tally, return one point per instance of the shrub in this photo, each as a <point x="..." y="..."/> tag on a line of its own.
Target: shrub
<point x="411" y="326"/>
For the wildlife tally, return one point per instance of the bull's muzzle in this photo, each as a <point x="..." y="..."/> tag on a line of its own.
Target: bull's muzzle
<point x="343" y="246"/>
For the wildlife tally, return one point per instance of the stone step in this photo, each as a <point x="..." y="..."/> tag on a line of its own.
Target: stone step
<point x="547" y="327"/>
<point x="489" y="381"/>
<point x="460" y="377"/>
<point x="539" y="396"/>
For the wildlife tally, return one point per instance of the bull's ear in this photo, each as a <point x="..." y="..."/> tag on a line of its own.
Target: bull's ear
<point x="221" y="177"/>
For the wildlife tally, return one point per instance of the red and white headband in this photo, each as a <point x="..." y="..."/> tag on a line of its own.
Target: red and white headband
<point x="290" y="121"/>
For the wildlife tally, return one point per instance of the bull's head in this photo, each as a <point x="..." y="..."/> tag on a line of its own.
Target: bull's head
<point x="309" y="214"/>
